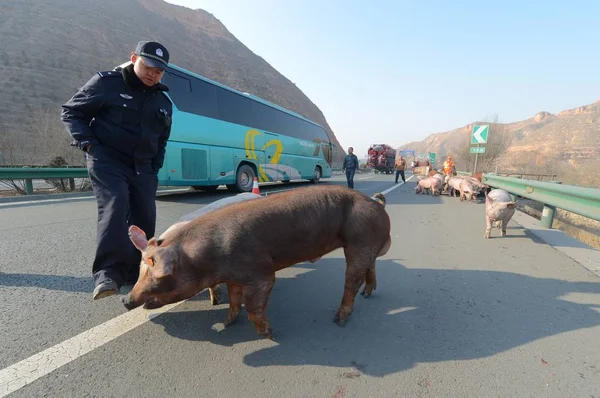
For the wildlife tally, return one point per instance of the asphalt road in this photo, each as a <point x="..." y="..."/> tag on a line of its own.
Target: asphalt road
<point x="453" y="315"/>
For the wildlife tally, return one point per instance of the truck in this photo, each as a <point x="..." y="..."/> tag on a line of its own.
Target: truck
<point x="381" y="158"/>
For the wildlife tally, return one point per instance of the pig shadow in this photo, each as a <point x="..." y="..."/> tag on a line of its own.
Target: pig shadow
<point x="415" y="316"/>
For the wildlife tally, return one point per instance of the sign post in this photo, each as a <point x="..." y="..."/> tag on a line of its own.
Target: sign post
<point x="479" y="136"/>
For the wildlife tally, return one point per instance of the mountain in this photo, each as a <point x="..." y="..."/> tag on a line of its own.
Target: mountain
<point x="50" y="48"/>
<point x="570" y="137"/>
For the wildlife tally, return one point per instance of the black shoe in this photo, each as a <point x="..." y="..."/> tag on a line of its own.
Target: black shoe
<point x="130" y="281"/>
<point x="106" y="288"/>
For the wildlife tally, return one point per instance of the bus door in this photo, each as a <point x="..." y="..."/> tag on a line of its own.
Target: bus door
<point x="273" y="150"/>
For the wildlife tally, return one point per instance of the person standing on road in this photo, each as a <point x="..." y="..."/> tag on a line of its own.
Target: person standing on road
<point x="350" y="165"/>
<point x="121" y="120"/>
<point x="400" y="167"/>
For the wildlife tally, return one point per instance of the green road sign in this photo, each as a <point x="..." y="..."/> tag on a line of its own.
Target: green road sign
<point x="475" y="149"/>
<point x="432" y="158"/>
<point x="480" y="134"/>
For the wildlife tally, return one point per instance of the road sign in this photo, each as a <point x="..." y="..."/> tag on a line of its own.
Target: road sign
<point x="480" y="134"/>
<point x="432" y="158"/>
<point x="477" y="149"/>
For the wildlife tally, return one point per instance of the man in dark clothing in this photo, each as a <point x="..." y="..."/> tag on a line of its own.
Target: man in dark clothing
<point x="350" y="165"/>
<point x="122" y="119"/>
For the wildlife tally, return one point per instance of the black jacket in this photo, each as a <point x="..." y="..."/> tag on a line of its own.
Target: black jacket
<point x="118" y="115"/>
<point x="350" y="162"/>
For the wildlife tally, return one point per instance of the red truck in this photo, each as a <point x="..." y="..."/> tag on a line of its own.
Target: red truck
<point x="382" y="158"/>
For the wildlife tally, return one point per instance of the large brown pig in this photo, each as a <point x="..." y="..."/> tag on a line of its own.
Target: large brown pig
<point x="499" y="209"/>
<point x="244" y="244"/>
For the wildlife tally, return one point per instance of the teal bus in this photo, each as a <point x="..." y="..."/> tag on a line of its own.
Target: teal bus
<point x="221" y="136"/>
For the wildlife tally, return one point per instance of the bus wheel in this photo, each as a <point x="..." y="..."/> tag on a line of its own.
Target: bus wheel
<point x="244" y="179"/>
<point x="317" y="175"/>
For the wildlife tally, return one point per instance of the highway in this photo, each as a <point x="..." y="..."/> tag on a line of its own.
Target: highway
<point x="453" y="315"/>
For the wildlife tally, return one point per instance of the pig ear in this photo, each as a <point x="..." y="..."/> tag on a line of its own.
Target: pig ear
<point x="511" y="205"/>
<point x="167" y="263"/>
<point x="138" y="237"/>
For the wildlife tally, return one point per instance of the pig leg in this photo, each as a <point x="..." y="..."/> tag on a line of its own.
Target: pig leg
<point x="215" y="294"/>
<point x="235" y="303"/>
<point x="370" y="282"/>
<point x="256" y="296"/>
<point x="504" y="225"/>
<point x="355" y="276"/>
<point x="488" y="227"/>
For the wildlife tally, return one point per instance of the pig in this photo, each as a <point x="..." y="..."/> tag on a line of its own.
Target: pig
<point x="466" y="190"/>
<point x="499" y="209"/>
<point x="244" y="244"/>
<point x="454" y="185"/>
<point x="440" y="184"/>
<point x="214" y="291"/>
<point x="478" y="176"/>
<point x="426" y="184"/>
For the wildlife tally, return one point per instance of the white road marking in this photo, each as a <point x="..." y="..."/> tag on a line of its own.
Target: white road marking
<point x="390" y="189"/>
<point x="28" y="370"/>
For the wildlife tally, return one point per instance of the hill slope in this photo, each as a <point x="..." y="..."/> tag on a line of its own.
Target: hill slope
<point x="571" y="136"/>
<point x="49" y="48"/>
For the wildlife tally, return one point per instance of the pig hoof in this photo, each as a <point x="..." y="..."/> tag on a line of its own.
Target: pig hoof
<point x="267" y="334"/>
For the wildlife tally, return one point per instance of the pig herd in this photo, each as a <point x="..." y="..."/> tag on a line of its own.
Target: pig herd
<point x="499" y="207"/>
<point x="242" y="241"/>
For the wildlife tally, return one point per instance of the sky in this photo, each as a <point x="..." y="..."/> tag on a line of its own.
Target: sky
<point x="393" y="72"/>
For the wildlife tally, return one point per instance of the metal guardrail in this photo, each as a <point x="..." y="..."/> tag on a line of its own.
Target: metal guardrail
<point x="553" y="195"/>
<point x="29" y="174"/>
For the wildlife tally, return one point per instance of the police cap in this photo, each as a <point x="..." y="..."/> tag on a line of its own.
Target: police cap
<point x="155" y="55"/>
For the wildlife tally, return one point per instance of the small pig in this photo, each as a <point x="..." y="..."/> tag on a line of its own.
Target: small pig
<point x="499" y="209"/>
<point x="214" y="291"/>
<point x="454" y="185"/>
<point x="426" y="184"/>
<point x="244" y="244"/>
<point x="440" y="184"/>
<point x="466" y="190"/>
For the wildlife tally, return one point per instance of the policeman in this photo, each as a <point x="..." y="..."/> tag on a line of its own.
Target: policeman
<point x="121" y="119"/>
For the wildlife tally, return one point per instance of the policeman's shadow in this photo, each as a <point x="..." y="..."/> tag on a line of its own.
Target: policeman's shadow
<point x="415" y="316"/>
<point x="50" y="282"/>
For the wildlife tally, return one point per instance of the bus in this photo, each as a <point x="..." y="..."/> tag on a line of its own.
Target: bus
<point x="221" y="136"/>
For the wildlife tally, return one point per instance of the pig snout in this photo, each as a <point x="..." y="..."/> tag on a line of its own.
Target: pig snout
<point x="129" y="302"/>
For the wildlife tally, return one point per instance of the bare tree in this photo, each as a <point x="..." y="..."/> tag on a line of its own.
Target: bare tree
<point x="43" y="142"/>
<point x="498" y="142"/>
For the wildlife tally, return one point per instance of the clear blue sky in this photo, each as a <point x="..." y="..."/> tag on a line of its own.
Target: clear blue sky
<point x="397" y="71"/>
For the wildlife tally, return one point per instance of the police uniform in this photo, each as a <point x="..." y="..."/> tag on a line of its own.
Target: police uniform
<point x="127" y="125"/>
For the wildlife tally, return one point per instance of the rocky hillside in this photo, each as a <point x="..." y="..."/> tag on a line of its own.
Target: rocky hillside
<point x="49" y="48"/>
<point x="569" y="137"/>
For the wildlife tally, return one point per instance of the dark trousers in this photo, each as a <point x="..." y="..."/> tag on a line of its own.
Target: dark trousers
<point x="124" y="198"/>
<point x="350" y="177"/>
<point x="400" y="173"/>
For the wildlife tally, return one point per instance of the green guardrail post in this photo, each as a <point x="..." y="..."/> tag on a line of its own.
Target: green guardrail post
<point x="547" y="216"/>
<point x="28" y="186"/>
<point x="548" y="212"/>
